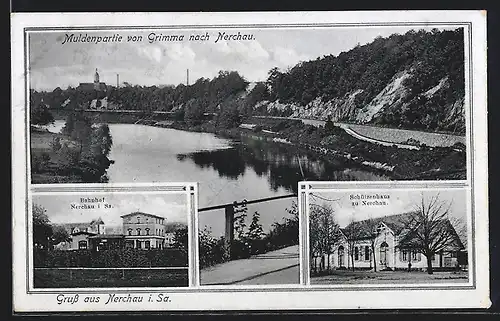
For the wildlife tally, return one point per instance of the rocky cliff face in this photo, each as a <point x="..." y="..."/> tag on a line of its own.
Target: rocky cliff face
<point x="394" y="98"/>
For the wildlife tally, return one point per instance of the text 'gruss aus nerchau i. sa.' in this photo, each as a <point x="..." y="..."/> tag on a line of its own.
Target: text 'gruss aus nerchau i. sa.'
<point x="153" y="37"/>
<point x="113" y="298"/>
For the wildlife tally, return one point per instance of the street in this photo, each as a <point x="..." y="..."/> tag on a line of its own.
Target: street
<point x="275" y="267"/>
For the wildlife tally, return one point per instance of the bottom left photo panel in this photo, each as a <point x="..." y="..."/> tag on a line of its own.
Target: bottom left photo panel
<point x="124" y="238"/>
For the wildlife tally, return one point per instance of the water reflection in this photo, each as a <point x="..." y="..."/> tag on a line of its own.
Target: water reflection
<point x="283" y="165"/>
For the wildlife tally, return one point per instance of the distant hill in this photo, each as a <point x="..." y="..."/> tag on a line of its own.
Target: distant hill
<point x="413" y="81"/>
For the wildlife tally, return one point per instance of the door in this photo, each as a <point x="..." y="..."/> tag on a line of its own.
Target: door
<point x="341" y="256"/>
<point x="384" y="253"/>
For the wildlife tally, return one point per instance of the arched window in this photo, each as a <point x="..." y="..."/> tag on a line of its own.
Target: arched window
<point x="147" y="231"/>
<point x="138" y="219"/>
<point x="129" y="231"/>
<point x="138" y="231"/>
<point x="384" y="251"/>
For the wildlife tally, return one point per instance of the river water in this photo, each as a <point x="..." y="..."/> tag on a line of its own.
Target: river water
<point x="226" y="170"/>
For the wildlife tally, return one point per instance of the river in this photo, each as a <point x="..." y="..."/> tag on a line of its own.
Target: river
<point x="226" y="170"/>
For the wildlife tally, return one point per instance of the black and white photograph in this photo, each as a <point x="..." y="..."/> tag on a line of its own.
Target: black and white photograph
<point x="388" y="237"/>
<point x="110" y="240"/>
<point x="248" y="114"/>
<point x="251" y="110"/>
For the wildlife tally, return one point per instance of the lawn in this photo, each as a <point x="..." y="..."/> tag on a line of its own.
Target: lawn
<point x="389" y="277"/>
<point x="66" y="278"/>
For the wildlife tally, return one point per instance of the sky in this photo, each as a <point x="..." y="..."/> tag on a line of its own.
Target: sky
<point x="400" y="201"/>
<point x="173" y="207"/>
<point x="53" y="63"/>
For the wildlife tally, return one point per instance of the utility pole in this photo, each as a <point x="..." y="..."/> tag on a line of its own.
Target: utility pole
<point x="117" y="80"/>
<point x="187" y="77"/>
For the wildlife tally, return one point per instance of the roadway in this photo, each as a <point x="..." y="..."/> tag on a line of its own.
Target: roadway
<point x="275" y="267"/>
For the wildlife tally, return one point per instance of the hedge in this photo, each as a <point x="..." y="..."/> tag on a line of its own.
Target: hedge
<point x="110" y="258"/>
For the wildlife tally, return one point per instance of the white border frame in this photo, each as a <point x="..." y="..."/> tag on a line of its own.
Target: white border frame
<point x="350" y="187"/>
<point x="297" y="298"/>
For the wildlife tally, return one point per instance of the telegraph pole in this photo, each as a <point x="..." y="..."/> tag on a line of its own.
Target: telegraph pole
<point x="187" y="77"/>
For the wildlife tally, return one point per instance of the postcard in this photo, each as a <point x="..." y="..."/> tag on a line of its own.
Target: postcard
<point x="212" y="161"/>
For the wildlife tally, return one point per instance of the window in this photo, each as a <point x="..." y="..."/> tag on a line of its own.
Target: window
<point x="414" y="256"/>
<point x="138" y="219"/>
<point x="82" y="245"/>
<point x="129" y="231"/>
<point x="405" y="256"/>
<point x="147" y="231"/>
<point x="138" y="231"/>
<point x="356" y="253"/>
<point x="147" y="245"/>
<point x="367" y="253"/>
<point x="433" y="257"/>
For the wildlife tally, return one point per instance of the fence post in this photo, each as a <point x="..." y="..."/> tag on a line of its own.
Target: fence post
<point x="229" y="228"/>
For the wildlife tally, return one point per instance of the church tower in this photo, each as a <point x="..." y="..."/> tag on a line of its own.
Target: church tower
<point x="96" y="77"/>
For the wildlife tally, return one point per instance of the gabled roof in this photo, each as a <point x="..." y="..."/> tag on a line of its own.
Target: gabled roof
<point x="397" y="223"/>
<point x="142" y="213"/>
<point x="363" y="228"/>
<point x="97" y="221"/>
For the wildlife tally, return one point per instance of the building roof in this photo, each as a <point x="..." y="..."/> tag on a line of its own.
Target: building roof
<point x="397" y="223"/>
<point x="363" y="228"/>
<point x="71" y="226"/>
<point x="142" y="213"/>
<point x="97" y="221"/>
<point x="107" y="236"/>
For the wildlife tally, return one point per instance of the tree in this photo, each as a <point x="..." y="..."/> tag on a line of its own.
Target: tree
<point x="59" y="235"/>
<point x="325" y="231"/>
<point x="372" y="232"/>
<point x="352" y="232"/>
<point x="428" y="229"/>
<point x="193" y="112"/>
<point x="255" y="231"/>
<point x="42" y="229"/>
<point x="329" y="126"/>
<point x="101" y="140"/>
<point x="181" y="238"/>
<point x="229" y="115"/>
<point x="240" y="225"/>
<point x="39" y="112"/>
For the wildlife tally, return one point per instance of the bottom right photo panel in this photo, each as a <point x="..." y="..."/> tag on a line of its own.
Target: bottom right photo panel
<point x="388" y="236"/>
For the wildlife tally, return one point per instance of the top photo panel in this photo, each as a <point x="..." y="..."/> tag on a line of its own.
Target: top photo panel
<point x="259" y="109"/>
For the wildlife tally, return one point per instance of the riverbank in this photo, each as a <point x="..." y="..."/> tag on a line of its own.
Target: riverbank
<point x="78" y="156"/>
<point x="425" y="163"/>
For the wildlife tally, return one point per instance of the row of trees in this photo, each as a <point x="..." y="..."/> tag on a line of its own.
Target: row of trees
<point x="428" y="230"/>
<point x="45" y="233"/>
<point x="209" y="93"/>
<point x="249" y="239"/>
<point x="429" y="56"/>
